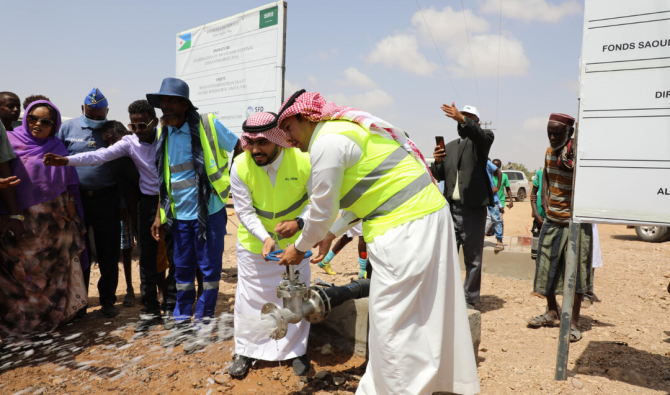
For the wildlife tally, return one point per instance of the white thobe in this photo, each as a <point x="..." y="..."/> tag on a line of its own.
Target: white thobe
<point x="257" y="279"/>
<point x="419" y="338"/>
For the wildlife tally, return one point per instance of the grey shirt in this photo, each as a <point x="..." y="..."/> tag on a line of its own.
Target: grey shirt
<point x="6" y="150"/>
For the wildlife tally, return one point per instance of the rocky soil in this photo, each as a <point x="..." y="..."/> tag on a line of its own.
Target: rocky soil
<point x="625" y="347"/>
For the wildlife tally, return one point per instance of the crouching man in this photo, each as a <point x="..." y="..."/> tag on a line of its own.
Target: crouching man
<point x="269" y="192"/>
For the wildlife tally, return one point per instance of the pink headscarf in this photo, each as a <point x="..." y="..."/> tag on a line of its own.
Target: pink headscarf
<point x="263" y="125"/>
<point x="315" y="108"/>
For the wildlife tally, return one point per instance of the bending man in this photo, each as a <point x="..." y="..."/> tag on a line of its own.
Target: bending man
<point x="419" y="336"/>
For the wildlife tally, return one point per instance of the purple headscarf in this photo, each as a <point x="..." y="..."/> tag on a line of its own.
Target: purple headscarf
<point x="40" y="183"/>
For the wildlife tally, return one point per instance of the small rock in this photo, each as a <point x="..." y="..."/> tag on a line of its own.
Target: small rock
<point x="231" y="300"/>
<point x="58" y="381"/>
<point x="321" y="375"/>
<point x="339" y="380"/>
<point x="634" y="377"/>
<point x="584" y="370"/>
<point x="577" y="384"/>
<point x="356" y="377"/>
<point x="276" y="375"/>
<point x="615" y="373"/>
<point x="503" y="349"/>
<point x="260" y="384"/>
<point x="305" y="379"/>
<point x="326" y="349"/>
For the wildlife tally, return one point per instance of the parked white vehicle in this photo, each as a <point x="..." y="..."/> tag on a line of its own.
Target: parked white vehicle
<point x="518" y="184"/>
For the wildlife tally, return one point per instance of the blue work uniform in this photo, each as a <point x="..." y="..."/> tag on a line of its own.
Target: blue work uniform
<point x="189" y="251"/>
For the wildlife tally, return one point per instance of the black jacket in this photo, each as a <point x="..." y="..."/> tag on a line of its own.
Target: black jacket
<point x="470" y="157"/>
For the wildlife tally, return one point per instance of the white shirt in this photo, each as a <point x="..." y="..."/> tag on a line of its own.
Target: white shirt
<point x="456" y="196"/>
<point x="330" y="156"/>
<point x="243" y="202"/>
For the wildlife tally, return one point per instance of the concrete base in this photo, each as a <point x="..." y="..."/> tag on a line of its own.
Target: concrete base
<point x="346" y="328"/>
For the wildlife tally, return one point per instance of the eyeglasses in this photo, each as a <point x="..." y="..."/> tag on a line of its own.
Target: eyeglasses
<point x="43" y="121"/>
<point x="141" y="126"/>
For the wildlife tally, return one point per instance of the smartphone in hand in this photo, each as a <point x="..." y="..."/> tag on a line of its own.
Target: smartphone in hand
<point x="439" y="140"/>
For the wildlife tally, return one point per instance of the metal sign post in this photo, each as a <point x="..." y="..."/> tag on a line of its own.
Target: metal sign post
<point x="569" y="282"/>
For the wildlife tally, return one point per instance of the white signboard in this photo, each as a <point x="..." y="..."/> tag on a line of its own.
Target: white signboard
<point x="235" y="66"/>
<point x="623" y="144"/>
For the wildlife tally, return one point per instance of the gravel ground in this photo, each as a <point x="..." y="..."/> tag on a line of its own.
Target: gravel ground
<point x="625" y="347"/>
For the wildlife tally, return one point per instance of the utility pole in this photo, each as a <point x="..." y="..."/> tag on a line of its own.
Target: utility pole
<point x="487" y="123"/>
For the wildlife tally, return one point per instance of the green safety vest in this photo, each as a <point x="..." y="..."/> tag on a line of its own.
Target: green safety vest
<point x="387" y="187"/>
<point x="216" y="165"/>
<point x="282" y="202"/>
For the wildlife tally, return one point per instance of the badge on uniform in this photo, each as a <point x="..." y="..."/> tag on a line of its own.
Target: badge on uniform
<point x="91" y="143"/>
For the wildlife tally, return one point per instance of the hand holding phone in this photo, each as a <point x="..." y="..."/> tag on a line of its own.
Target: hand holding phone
<point x="439" y="153"/>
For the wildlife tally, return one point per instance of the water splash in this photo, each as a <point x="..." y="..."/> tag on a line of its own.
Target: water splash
<point x="255" y="328"/>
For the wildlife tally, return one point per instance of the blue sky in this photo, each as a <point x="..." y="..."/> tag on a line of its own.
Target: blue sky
<point x="375" y="55"/>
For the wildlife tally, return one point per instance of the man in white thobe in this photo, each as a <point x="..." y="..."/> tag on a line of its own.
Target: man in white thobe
<point x="257" y="278"/>
<point x="419" y="337"/>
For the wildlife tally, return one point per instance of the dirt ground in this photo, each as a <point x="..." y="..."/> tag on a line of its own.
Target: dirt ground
<point x="625" y="347"/>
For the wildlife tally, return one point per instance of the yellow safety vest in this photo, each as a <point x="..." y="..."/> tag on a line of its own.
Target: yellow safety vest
<point x="387" y="187"/>
<point x="216" y="165"/>
<point x="282" y="202"/>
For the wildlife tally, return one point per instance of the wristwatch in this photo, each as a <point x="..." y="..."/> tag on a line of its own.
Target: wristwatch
<point x="17" y="216"/>
<point x="300" y="222"/>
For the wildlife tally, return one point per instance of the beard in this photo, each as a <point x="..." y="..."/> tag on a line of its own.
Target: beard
<point x="259" y="162"/>
<point x="170" y="120"/>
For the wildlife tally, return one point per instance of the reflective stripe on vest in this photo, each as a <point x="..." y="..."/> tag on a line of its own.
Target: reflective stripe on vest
<point x="293" y="207"/>
<point x="400" y="197"/>
<point x="181" y="167"/>
<point x="178" y="185"/>
<point x="364" y="184"/>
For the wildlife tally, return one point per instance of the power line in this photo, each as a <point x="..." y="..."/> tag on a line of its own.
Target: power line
<point x="438" y="51"/>
<point x="474" y="73"/>
<point x="499" y="41"/>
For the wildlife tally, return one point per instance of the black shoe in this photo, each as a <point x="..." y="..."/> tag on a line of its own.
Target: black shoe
<point x="168" y="320"/>
<point x="109" y="311"/>
<point x="240" y="366"/>
<point x="146" y="322"/>
<point x="301" y="365"/>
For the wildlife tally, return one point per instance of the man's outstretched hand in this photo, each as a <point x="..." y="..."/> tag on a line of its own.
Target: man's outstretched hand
<point x="9" y="182"/>
<point x="452" y="112"/>
<point x="54" y="160"/>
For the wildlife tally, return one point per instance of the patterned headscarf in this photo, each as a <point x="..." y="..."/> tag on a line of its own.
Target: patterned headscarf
<point x="263" y="125"/>
<point x="313" y="107"/>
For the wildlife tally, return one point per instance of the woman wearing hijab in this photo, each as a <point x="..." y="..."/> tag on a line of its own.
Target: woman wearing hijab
<point x="41" y="274"/>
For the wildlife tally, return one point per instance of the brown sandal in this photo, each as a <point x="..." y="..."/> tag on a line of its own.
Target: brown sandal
<point x="543" y="320"/>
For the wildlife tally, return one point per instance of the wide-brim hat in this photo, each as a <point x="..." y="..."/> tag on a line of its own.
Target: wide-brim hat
<point x="170" y="87"/>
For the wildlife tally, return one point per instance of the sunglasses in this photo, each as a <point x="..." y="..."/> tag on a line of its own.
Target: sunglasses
<point x="42" y="121"/>
<point x="140" y="126"/>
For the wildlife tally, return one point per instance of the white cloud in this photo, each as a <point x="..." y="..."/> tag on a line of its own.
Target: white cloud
<point x="290" y="88"/>
<point x="367" y="101"/>
<point x="354" y="77"/>
<point x="402" y="50"/>
<point x="447" y="26"/>
<point x="538" y="124"/>
<point x="533" y="10"/>
<point x="485" y="55"/>
<point x="311" y="79"/>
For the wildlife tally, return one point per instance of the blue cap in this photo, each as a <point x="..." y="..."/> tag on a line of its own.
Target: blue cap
<point x="95" y="99"/>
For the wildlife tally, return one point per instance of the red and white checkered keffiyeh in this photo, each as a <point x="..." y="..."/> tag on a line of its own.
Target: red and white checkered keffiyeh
<point x="273" y="133"/>
<point x="315" y="108"/>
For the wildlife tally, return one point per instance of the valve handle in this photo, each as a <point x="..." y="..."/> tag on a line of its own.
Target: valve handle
<point x="273" y="255"/>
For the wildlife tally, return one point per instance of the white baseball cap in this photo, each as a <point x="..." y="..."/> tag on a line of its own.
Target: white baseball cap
<point x="471" y="110"/>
